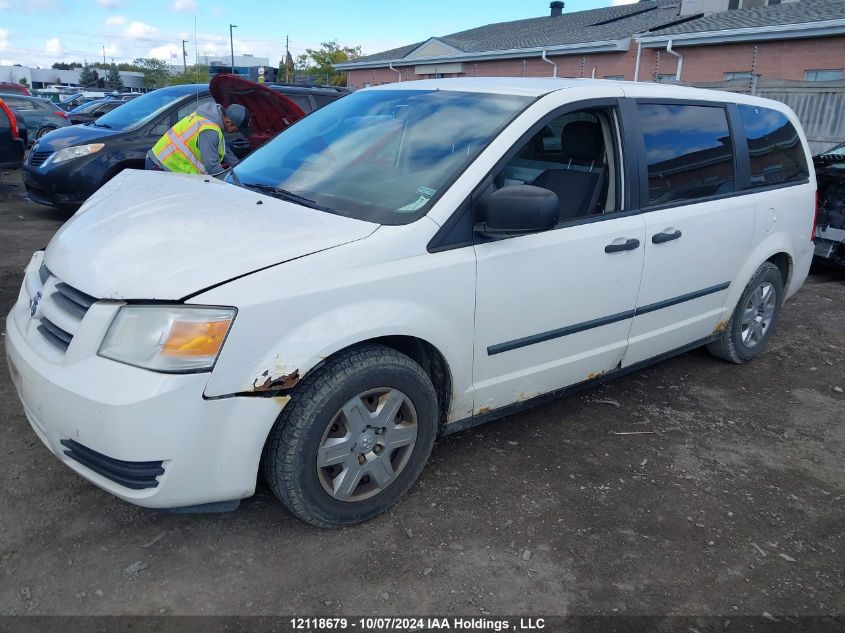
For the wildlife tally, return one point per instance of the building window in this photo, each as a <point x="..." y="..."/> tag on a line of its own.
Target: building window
<point x="738" y="75"/>
<point x="829" y="74"/>
<point x="665" y="77"/>
<point x="615" y="77"/>
<point x="688" y="151"/>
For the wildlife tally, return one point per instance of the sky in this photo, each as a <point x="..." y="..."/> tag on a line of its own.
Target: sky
<point x="41" y="32"/>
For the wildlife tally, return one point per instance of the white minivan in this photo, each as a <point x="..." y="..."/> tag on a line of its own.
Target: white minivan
<point x="413" y="259"/>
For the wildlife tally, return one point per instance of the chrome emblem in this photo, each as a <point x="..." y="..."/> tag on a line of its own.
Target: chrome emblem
<point x="33" y="305"/>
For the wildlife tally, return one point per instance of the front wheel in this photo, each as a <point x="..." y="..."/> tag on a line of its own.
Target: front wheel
<point x="354" y="437"/>
<point x="753" y="319"/>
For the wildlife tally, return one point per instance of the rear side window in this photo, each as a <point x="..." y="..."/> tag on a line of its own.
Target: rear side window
<point x="302" y="101"/>
<point x="774" y="147"/>
<point x="688" y="152"/>
<point x="322" y="100"/>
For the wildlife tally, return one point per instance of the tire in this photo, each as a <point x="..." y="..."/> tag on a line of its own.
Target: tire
<point x="43" y="131"/>
<point x="754" y="318"/>
<point x="328" y="459"/>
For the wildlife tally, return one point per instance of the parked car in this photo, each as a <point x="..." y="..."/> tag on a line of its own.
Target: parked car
<point x="414" y="259"/>
<point x="92" y="110"/>
<point x="74" y="100"/>
<point x="12" y="138"/>
<point x="12" y="88"/>
<point x="830" y="226"/>
<point x="64" y="169"/>
<point x="41" y="115"/>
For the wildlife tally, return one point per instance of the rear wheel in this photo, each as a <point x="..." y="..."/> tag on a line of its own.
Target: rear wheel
<point x="753" y="319"/>
<point x="44" y="131"/>
<point x="354" y="437"/>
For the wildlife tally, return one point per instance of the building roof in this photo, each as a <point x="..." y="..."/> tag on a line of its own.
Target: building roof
<point x="610" y="29"/>
<point x="802" y="12"/>
<point x="608" y="25"/>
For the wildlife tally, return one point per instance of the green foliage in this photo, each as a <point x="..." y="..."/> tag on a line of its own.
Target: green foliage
<point x="156" y="72"/>
<point x="66" y="65"/>
<point x="196" y="75"/>
<point x="24" y="82"/>
<point x="88" y="77"/>
<point x="321" y="61"/>
<point x="113" y="79"/>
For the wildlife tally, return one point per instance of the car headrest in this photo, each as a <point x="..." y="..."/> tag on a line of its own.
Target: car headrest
<point x="582" y="140"/>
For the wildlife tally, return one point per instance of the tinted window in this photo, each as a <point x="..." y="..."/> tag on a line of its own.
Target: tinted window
<point x="322" y="100"/>
<point x="688" y="152"/>
<point x="774" y="147"/>
<point x="302" y="101"/>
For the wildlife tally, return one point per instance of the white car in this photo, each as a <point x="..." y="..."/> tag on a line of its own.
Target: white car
<point x="413" y="259"/>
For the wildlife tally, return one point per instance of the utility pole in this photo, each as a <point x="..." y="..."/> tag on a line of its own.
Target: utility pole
<point x="287" y="55"/>
<point x="232" y="45"/>
<point x="104" y="55"/>
<point x="184" y="57"/>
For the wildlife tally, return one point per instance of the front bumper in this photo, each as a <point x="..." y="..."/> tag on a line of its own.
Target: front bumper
<point x="104" y="419"/>
<point x="69" y="183"/>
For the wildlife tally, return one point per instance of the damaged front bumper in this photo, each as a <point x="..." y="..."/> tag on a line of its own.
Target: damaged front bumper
<point x="149" y="438"/>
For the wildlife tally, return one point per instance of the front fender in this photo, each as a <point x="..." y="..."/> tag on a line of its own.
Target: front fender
<point x="294" y="316"/>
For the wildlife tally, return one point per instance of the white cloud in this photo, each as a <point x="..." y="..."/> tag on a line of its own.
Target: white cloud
<point x="54" y="46"/>
<point x="184" y="6"/>
<point x="110" y="4"/>
<point x="168" y="53"/>
<point x="112" y="50"/>
<point x="137" y="30"/>
<point x="218" y="11"/>
<point x="115" y="20"/>
<point x="4" y="38"/>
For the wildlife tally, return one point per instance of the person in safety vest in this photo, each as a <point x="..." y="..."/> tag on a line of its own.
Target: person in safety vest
<point x="195" y="145"/>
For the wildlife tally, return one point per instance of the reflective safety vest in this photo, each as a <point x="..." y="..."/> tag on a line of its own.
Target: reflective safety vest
<point x="177" y="150"/>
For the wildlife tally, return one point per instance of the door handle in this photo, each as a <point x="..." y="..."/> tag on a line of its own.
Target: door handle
<point x="624" y="246"/>
<point x="659" y="238"/>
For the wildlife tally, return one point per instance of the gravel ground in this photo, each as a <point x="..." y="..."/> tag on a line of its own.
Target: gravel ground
<point x="730" y="504"/>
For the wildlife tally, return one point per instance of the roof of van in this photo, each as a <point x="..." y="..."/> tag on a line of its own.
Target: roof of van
<point x="538" y="86"/>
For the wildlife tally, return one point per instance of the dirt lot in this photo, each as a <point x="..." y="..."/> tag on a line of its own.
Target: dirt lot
<point x="733" y="505"/>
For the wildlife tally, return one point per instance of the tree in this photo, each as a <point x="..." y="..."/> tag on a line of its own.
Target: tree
<point x="194" y="75"/>
<point x="113" y="79"/>
<point x="66" y="65"/>
<point x="155" y="71"/>
<point x="24" y="82"/>
<point x="324" y="58"/>
<point x="88" y="77"/>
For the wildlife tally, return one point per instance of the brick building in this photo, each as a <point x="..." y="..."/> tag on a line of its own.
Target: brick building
<point x="652" y="40"/>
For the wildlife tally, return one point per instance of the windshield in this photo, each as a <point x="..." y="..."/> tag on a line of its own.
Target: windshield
<point x="135" y="113"/>
<point x="380" y="155"/>
<point x="838" y="150"/>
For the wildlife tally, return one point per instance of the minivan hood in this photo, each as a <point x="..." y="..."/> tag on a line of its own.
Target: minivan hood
<point x="164" y="236"/>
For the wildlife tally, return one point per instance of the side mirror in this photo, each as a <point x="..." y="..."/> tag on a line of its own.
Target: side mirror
<point x="519" y="209"/>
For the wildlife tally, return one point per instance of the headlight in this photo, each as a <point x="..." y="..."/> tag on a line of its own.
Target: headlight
<point x="76" y="152"/>
<point x="167" y="338"/>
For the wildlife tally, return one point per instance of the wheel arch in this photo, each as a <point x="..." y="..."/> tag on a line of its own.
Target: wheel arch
<point x="422" y="352"/>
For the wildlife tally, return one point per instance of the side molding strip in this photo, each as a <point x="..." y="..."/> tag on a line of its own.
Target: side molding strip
<point x="613" y="318"/>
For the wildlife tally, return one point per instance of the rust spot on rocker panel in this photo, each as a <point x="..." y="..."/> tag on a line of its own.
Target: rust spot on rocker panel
<point x="275" y="383"/>
<point x="720" y="327"/>
<point x="595" y="374"/>
<point x="483" y="410"/>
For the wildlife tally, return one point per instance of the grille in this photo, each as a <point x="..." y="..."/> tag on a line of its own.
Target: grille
<point x="134" y="475"/>
<point x="61" y="307"/>
<point x="36" y="159"/>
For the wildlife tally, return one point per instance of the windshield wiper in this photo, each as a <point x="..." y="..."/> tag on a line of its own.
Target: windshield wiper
<point x="288" y="196"/>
